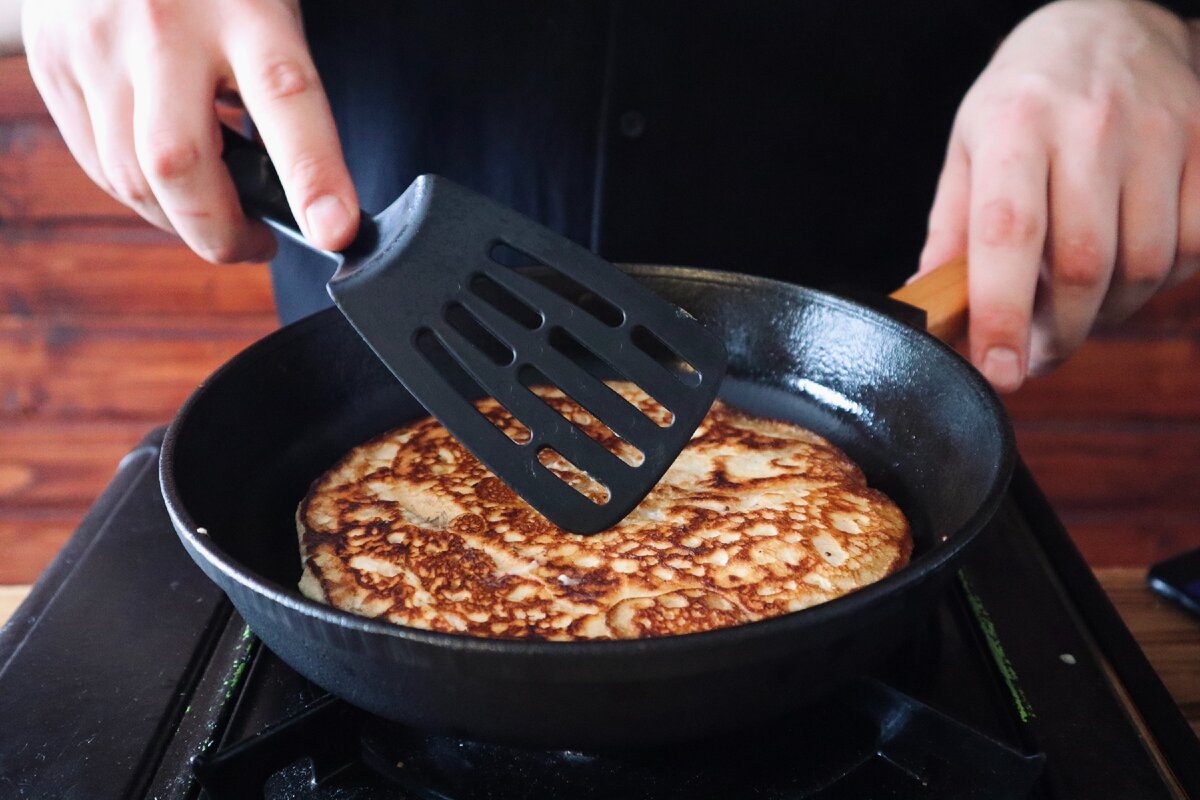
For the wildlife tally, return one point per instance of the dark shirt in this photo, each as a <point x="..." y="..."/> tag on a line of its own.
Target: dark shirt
<point x="799" y="140"/>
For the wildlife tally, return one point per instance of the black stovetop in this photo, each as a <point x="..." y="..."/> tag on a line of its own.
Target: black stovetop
<point x="126" y="674"/>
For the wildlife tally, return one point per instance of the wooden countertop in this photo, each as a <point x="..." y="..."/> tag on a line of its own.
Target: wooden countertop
<point x="1169" y="636"/>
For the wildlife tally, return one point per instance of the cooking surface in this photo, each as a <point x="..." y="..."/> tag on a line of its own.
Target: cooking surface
<point x="160" y="669"/>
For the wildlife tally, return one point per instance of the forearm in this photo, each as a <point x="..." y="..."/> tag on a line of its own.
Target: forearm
<point x="10" y="28"/>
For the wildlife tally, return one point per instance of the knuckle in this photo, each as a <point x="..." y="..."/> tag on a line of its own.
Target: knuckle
<point x="1000" y="324"/>
<point x="285" y="77"/>
<point x="1079" y="261"/>
<point x="1025" y="107"/>
<point x="1025" y="103"/>
<point x="129" y="185"/>
<point x="1156" y="126"/>
<point x="96" y="34"/>
<point x="160" y="16"/>
<point x="171" y="158"/>
<point x="1098" y="118"/>
<point x="308" y="175"/>
<point x="1003" y="223"/>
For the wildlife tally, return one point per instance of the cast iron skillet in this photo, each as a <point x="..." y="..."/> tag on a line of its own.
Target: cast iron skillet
<point x="924" y="425"/>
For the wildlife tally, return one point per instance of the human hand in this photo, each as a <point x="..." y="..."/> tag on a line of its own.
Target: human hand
<point x="1072" y="180"/>
<point x="132" y="86"/>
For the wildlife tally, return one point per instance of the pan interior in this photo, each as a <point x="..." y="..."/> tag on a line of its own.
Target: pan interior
<point x="912" y="413"/>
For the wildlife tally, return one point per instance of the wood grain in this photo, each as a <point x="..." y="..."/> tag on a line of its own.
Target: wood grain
<point x="56" y="466"/>
<point x="19" y="99"/>
<point x="105" y="270"/>
<point x="114" y="368"/>
<point x="1117" y="379"/>
<point x="1169" y="636"/>
<point x="942" y="295"/>
<point x="28" y="535"/>
<point x="1085" y="468"/>
<point x="40" y="181"/>
<point x="1119" y="539"/>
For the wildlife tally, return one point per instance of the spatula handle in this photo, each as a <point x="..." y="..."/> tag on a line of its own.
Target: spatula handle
<point x="258" y="184"/>
<point x="942" y="295"/>
<point x="262" y="194"/>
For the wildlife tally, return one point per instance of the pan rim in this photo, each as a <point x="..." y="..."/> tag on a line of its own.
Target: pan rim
<point x="728" y="637"/>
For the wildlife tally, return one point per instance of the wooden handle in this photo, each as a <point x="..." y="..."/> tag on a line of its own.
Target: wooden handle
<point x="942" y="294"/>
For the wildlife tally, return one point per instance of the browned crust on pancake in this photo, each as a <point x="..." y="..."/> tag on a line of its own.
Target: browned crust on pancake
<point x="755" y="519"/>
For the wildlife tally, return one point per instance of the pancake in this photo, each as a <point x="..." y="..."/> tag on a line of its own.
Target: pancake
<point x="756" y="518"/>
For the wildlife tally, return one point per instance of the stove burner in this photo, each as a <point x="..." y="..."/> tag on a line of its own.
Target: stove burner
<point x="871" y="736"/>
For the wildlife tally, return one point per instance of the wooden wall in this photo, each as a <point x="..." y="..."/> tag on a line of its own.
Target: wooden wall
<point x="107" y="324"/>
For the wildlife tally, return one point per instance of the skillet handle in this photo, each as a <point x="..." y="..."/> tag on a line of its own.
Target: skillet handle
<point x="942" y="295"/>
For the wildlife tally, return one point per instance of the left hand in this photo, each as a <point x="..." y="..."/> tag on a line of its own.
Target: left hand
<point x="1072" y="180"/>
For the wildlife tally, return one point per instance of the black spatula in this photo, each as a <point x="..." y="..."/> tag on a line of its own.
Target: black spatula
<point x="461" y="298"/>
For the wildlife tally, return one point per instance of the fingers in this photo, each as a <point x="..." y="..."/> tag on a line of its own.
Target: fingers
<point x="1187" y="256"/>
<point x="947" y="234"/>
<point x="67" y="108"/>
<point x="111" y="109"/>
<point x="1081" y="247"/>
<point x="1149" y="227"/>
<point x="1007" y="229"/>
<point x="178" y="147"/>
<point x="279" y="85"/>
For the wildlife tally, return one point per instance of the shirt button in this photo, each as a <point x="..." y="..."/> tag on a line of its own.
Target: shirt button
<point x="632" y="124"/>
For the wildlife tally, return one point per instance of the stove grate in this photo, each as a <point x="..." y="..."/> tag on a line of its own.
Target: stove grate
<point x="871" y="735"/>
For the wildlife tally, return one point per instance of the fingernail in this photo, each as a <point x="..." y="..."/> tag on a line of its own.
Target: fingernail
<point x="328" y="218"/>
<point x="1002" y="368"/>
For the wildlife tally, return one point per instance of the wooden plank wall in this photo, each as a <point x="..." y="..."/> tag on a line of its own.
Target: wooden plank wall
<point x="106" y="325"/>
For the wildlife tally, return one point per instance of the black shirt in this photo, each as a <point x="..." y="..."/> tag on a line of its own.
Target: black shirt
<point x="797" y="140"/>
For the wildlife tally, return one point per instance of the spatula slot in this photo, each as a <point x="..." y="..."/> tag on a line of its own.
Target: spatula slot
<point x="506" y="255"/>
<point x="654" y="347"/>
<point x="590" y="424"/>
<point x="558" y="282"/>
<point x="446" y="365"/>
<point x="510" y="426"/>
<point x="573" y="476"/>
<point x="474" y="332"/>
<point x="505" y="302"/>
<point x="601" y="370"/>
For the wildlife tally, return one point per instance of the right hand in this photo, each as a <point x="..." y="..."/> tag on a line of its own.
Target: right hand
<point x="132" y="86"/>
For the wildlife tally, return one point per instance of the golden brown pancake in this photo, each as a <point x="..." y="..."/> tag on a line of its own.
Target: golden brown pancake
<point x="755" y="518"/>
